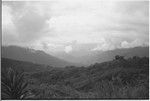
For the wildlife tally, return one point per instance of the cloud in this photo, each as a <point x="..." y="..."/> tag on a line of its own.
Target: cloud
<point x="68" y="49"/>
<point x="134" y="43"/>
<point x="91" y="25"/>
<point x="29" y="24"/>
<point x="9" y="34"/>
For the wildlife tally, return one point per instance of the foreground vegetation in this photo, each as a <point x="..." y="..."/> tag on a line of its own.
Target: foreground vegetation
<point x="117" y="79"/>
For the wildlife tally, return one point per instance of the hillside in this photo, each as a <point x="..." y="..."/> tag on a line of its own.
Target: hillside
<point x="40" y="57"/>
<point x="30" y="55"/>
<point x="22" y="65"/>
<point x="119" y="78"/>
<point x="126" y="52"/>
<point x="115" y="79"/>
<point x="102" y="56"/>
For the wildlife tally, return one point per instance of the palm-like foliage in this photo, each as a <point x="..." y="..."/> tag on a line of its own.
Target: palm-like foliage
<point x="13" y="85"/>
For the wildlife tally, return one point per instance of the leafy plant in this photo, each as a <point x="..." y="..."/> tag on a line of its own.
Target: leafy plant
<point x="13" y="85"/>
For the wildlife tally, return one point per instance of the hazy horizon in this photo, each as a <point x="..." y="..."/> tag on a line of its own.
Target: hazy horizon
<point x="75" y="25"/>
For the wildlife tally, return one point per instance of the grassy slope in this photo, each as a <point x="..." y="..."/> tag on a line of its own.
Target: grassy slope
<point x="114" y="79"/>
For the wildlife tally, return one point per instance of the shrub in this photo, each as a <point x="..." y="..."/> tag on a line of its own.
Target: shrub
<point x="13" y="85"/>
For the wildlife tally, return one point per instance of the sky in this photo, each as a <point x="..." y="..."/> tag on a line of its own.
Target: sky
<point x="75" y="25"/>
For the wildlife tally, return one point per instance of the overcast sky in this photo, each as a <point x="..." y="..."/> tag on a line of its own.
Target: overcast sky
<point x="75" y="25"/>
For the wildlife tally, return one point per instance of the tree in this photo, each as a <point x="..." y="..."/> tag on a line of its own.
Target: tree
<point x="13" y="85"/>
<point x="117" y="57"/>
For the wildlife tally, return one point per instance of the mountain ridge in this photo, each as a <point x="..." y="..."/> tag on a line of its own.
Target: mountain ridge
<point x="102" y="56"/>
<point x="64" y="59"/>
<point x="34" y="56"/>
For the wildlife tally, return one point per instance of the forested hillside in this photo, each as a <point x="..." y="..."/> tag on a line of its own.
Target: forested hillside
<point x="22" y="65"/>
<point x="117" y="79"/>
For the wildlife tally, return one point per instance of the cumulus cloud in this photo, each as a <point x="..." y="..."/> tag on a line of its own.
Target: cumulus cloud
<point x="68" y="49"/>
<point x="92" y="25"/>
<point x="29" y="24"/>
<point x="134" y="43"/>
<point x="8" y="26"/>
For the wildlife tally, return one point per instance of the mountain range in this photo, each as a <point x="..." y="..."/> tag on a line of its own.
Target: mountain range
<point x="31" y="55"/>
<point x="64" y="59"/>
<point x="103" y="56"/>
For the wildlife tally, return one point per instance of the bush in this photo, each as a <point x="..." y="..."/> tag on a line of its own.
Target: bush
<point x="13" y="85"/>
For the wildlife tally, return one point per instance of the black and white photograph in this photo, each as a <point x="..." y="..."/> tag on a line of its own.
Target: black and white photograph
<point x="75" y="50"/>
